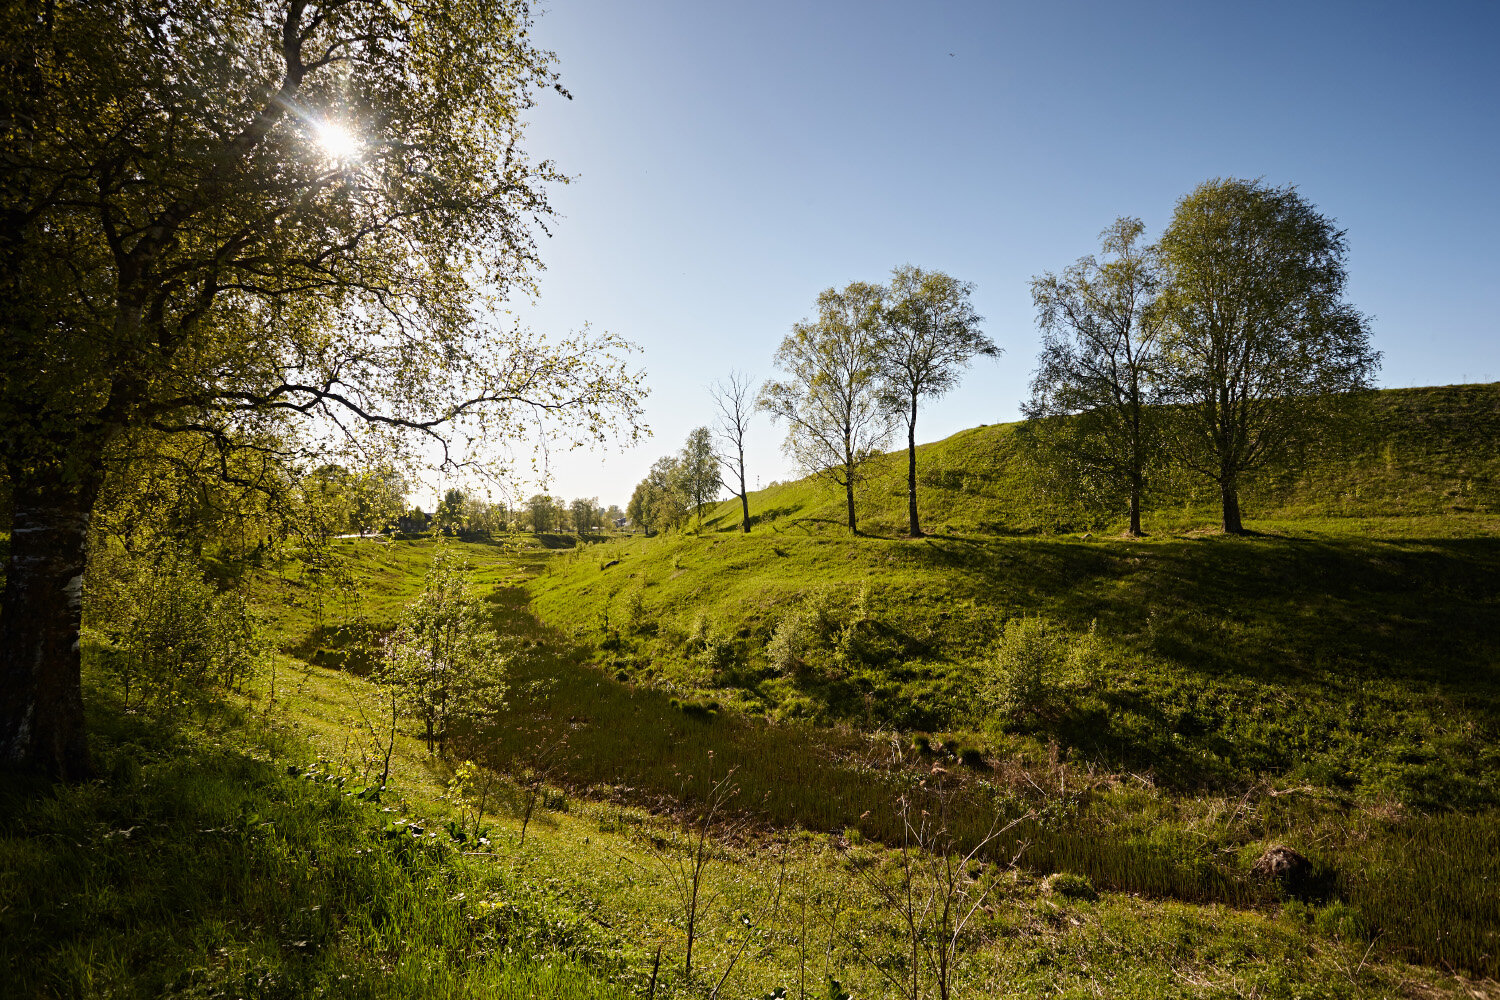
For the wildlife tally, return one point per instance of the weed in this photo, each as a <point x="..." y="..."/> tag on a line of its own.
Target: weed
<point x="687" y="866"/>
<point x="470" y="790"/>
<point x="697" y="708"/>
<point x="1341" y="920"/>
<point x="697" y="635"/>
<point x="1071" y="886"/>
<point x="217" y="872"/>
<point x="972" y="756"/>
<point x="931" y="886"/>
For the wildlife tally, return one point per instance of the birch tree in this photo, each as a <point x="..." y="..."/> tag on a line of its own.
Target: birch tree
<point x="929" y="337"/>
<point x="215" y="214"/>
<point x="1260" y="349"/>
<point x="830" y="395"/>
<point x="1101" y="329"/>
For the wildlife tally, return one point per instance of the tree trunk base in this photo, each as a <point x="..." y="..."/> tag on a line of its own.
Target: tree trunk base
<point x="41" y="686"/>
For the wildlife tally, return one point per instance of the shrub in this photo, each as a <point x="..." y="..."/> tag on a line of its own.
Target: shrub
<point x="172" y="634"/>
<point x="1086" y="657"/>
<point x="789" y="643"/>
<point x="444" y="657"/>
<point x="1025" y="666"/>
<point x="718" y="654"/>
<point x="635" y="613"/>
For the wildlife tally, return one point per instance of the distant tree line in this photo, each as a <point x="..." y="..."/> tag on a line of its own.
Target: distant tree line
<point x="462" y="514"/>
<point x="851" y="375"/>
<point x="1219" y="351"/>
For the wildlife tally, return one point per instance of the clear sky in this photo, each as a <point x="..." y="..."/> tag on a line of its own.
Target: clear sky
<point x="731" y="160"/>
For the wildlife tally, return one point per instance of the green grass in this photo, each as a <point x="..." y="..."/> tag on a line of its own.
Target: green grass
<point x="1329" y="684"/>
<point x="1349" y="649"/>
<point x="200" y="866"/>
<point x="629" y="743"/>
<point x="227" y="853"/>
<point x="1302" y="656"/>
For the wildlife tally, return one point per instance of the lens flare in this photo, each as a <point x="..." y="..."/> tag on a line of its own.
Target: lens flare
<point x="337" y="142"/>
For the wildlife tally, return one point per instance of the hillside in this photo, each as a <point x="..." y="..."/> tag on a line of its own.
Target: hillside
<point x="1314" y="633"/>
<point x="1123" y="731"/>
<point x="1414" y="452"/>
<point x="1347" y="652"/>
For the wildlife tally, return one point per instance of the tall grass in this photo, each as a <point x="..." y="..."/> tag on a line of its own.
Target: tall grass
<point x="1429" y="888"/>
<point x="200" y="868"/>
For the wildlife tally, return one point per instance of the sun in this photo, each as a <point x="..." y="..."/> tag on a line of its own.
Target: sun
<point x="338" y="142"/>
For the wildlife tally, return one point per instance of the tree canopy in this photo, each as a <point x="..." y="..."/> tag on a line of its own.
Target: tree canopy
<point x="699" y="470"/>
<point x="829" y="396"/>
<point x="1260" y="346"/>
<point x="659" y="501"/>
<point x="586" y="514"/>
<point x="1101" y="336"/>
<point x="930" y="335"/>
<point x="214" y="216"/>
<point x="543" y="511"/>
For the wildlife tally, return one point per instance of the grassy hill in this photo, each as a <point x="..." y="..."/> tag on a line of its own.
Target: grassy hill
<point x="1347" y="653"/>
<point x="1429" y="451"/>
<point x="1356" y="649"/>
<point x="1142" y="721"/>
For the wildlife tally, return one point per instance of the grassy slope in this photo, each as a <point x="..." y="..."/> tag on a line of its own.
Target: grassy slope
<point x="200" y="866"/>
<point x="1416" y="452"/>
<point x="223" y="852"/>
<point x="311" y="893"/>
<point x="1357" y="651"/>
<point x="1355" y="656"/>
<point x="238" y="878"/>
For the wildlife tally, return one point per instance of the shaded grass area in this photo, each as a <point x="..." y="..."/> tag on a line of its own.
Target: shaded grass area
<point x="200" y="867"/>
<point x="636" y="740"/>
<point x="632" y="741"/>
<point x="1313" y="653"/>
<point x="809" y="899"/>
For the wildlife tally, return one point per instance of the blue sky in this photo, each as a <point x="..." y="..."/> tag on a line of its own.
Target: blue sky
<point x="731" y="160"/>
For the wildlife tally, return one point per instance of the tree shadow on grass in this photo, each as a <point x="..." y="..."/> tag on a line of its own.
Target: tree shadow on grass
<point x="185" y="849"/>
<point x="1268" y="607"/>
